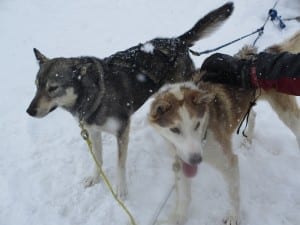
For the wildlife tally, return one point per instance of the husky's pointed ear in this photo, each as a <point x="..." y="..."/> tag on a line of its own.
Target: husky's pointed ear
<point x="200" y="102"/>
<point x="82" y="69"/>
<point x="159" y="108"/>
<point x="199" y="98"/>
<point x="39" y="56"/>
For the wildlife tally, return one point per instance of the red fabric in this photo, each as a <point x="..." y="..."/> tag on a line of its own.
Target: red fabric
<point x="253" y="77"/>
<point x="287" y="85"/>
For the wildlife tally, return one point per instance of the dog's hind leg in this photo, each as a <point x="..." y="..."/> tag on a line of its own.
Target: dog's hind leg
<point x="96" y="139"/>
<point x="122" y="139"/>
<point x="247" y="141"/>
<point x="287" y="110"/>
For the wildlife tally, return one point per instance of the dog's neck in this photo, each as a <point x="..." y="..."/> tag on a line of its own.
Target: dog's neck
<point x="88" y="76"/>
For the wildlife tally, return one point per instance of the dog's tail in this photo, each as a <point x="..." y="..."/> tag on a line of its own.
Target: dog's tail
<point x="207" y="24"/>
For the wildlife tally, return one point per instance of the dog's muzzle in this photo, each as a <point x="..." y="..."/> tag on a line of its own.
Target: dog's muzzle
<point x="34" y="112"/>
<point x="31" y="111"/>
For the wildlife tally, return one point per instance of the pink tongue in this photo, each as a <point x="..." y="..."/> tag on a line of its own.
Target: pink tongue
<point x="188" y="170"/>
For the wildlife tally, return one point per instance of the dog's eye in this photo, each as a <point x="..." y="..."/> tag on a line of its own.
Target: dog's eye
<point x="197" y="126"/>
<point x="175" y="130"/>
<point x="52" y="89"/>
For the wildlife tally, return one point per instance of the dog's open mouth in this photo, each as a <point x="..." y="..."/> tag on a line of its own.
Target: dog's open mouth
<point x="189" y="170"/>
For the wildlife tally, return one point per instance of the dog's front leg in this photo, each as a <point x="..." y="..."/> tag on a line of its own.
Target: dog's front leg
<point x="226" y="162"/>
<point x="122" y="156"/>
<point x="230" y="172"/>
<point x="183" y="196"/>
<point x="96" y="139"/>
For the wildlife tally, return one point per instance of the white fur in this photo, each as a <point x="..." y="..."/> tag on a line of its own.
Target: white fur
<point x="188" y="142"/>
<point x="111" y="125"/>
<point x="175" y="88"/>
<point x="67" y="100"/>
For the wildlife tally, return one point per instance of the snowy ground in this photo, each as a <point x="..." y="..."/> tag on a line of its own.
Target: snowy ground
<point x="43" y="162"/>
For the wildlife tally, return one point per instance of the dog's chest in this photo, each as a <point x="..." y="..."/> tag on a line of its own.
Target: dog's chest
<point x="111" y="125"/>
<point x="212" y="151"/>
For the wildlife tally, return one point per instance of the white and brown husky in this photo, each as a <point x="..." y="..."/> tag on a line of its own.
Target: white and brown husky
<point x="198" y="120"/>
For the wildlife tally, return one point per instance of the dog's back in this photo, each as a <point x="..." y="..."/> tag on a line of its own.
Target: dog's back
<point x="290" y="45"/>
<point x="167" y="60"/>
<point x="228" y="107"/>
<point x="284" y="105"/>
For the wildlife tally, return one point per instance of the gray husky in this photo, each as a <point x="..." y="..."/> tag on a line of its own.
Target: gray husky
<point x="104" y="93"/>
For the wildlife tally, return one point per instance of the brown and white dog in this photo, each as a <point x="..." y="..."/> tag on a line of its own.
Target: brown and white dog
<point x="198" y="120"/>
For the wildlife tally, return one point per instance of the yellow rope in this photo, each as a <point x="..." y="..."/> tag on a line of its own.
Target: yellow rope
<point x="85" y="136"/>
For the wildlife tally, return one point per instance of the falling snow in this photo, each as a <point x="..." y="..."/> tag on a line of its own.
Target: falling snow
<point x="141" y="78"/>
<point x="147" y="47"/>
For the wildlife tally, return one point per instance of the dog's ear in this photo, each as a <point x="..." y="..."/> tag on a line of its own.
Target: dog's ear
<point x="159" y="108"/>
<point x="199" y="102"/>
<point x="39" y="56"/>
<point x="82" y="69"/>
<point x="199" y="98"/>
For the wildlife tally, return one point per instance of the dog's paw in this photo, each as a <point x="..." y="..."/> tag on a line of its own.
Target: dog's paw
<point x="165" y="222"/>
<point x="171" y="221"/>
<point x="231" y="220"/>
<point x="90" y="181"/>
<point x="122" y="191"/>
<point x="246" y="143"/>
<point x="177" y="219"/>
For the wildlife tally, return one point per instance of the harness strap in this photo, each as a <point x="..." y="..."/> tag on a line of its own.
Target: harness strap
<point x="247" y="114"/>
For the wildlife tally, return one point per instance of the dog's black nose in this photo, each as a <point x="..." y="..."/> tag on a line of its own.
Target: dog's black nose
<point x="31" y="111"/>
<point x="195" y="159"/>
